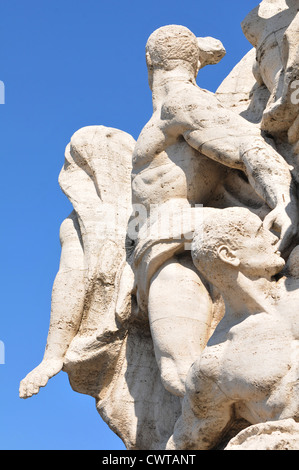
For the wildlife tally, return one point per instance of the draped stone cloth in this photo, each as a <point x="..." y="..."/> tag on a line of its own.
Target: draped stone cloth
<point x="111" y="357"/>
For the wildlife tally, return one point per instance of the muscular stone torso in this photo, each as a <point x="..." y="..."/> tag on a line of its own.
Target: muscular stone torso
<point x="165" y="167"/>
<point x="265" y="386"/>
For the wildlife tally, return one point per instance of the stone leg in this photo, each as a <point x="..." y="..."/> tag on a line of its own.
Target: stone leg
<point x="206" y="415"/>
<point x="180" y="311"/>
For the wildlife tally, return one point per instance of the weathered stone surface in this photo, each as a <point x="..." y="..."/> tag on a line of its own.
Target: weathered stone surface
<point x="249" y="368"/>
<point x="272" y="28"/>
<point x="274" y="435"/>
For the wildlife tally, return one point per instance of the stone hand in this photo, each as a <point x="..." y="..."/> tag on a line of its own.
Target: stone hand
<point x="284" y="220"/>
<point x="39" y="377"/>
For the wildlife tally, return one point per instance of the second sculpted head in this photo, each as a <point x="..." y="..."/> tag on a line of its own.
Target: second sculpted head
<point x="235" y="241"/>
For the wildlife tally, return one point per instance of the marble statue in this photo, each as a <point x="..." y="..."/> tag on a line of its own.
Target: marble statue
<point x="179" y="261"/>
<point x="180" y="157"/>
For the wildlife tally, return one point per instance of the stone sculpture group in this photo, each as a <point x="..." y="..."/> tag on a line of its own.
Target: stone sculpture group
<point x="176" y="301"/>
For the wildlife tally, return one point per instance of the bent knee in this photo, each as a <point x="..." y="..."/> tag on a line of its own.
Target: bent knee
<point x="204" y="385"/>
<point x="173" y="376"/>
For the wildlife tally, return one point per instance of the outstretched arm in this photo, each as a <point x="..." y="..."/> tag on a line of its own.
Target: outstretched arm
<point x="270" y="176"/>
<point x="66" y="308"/>
<point x="267" y="171"/>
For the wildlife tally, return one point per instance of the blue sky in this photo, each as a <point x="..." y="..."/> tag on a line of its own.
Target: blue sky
<point x="67" y="64"/>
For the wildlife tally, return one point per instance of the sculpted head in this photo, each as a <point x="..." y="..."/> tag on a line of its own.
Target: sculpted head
<point x="232" y="241"/>
<point x="171" y="46"/>
<point x="171" y="43"/>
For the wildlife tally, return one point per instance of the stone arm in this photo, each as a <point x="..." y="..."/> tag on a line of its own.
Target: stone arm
<point x="267" y="171"/>
<point x="66" y="308"/>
